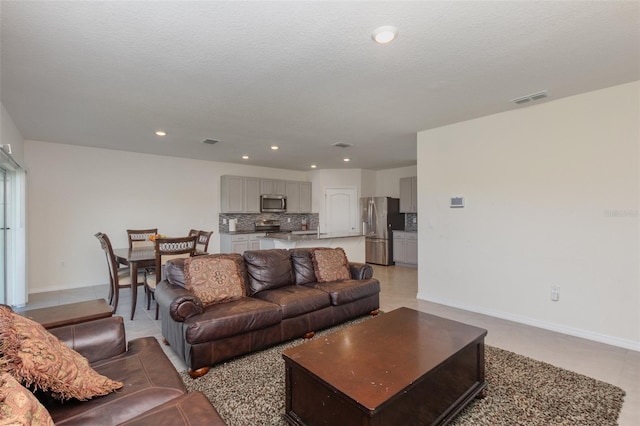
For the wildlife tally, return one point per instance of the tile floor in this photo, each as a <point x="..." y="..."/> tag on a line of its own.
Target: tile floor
<point x="611" y="364"/>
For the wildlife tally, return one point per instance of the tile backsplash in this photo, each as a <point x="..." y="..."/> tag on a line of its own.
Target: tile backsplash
<point x="246" y="221"/>
<point x="411" y="222"/>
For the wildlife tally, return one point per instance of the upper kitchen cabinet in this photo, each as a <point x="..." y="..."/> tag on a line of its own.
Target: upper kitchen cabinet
<point x="272" y="186"/>
<point x="239" y="194"/>
<point x="409" y="195"/>
<point x="251" y="195"/>
<point x="298" y="197"/>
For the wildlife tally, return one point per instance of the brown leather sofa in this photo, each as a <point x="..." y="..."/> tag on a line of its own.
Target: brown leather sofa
<point x="284" y="301"/>
<point x="153" y="392"/>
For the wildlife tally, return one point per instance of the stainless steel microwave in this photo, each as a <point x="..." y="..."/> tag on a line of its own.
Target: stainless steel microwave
<point x="273" y="203"/>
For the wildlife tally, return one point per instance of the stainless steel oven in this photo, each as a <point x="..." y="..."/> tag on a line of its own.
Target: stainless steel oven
<point x="273" y="203"/>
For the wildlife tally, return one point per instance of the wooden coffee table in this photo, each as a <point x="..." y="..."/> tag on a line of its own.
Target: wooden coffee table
<point x="71" y="313"/>
<point x="402" y="368"/>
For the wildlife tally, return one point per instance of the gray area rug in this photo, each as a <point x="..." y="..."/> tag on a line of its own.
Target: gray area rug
<point x="250" y="390"/>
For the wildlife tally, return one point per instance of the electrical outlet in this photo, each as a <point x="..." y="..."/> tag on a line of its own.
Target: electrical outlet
<point x="555" y="293"/>
<point x="224" y="221"/>
<point x="288" y="220"/>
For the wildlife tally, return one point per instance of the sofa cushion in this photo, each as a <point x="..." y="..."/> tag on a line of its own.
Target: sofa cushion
<point x="149" y="380"/>
<point x="190" y="409"/>
<point x="174" y="271"/>
<point x="37" y="358"/>
<point x="230" y="319"/>
<point x="346" y="291"/>
<point x="268" y="269"/>
<point x="18" y="406"/>
<point x="330" y="264"/>
<point x="302" y="263"/>
<point x="215" y="278"/>
<point x="296" y="300"/>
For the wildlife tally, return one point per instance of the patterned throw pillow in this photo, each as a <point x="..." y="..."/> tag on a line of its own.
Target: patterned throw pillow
<point x="215" y="278"/>
<point x="330" y="264"/>
<point x="37" y="358"/>
<point x="18" y="406"/>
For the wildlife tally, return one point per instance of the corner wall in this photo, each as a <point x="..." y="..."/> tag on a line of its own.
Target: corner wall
<point x="552" y="197"/>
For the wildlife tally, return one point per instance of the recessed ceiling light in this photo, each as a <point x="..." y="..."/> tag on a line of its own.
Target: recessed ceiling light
<point x="245" y="157"/>
<point x="161" y="133"/>
<point x="346" y="160"/>
<point x="274" y="147"/>
<point x="313" y="166"/>
<point x="384" y="34"/>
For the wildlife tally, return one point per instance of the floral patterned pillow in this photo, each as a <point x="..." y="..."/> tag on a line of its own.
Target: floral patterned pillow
<point x="37" y="358"/>
<point x="215" y="278"/>
<point x="330" y="264"/>
<point x="18" y="406"/>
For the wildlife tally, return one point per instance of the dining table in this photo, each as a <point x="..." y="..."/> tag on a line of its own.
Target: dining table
<point x="137" y="258"/>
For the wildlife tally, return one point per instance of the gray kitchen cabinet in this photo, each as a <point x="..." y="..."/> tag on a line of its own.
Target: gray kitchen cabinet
<point x="298" y="197"/>
<point x="292" y="191"/>
<point x="251" y="195"/>
<point x="231" y="194"/>
<point x="409" y="195"/>
<point x="405" y="248"/>
<point x="272" y="186"/>
<point x="239" y="194"/>
<point x="305" y="197"/>
<point x="239" y="243"/>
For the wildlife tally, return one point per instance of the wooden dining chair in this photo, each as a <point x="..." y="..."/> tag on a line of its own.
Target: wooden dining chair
<point x="118" y="277"/>
<point x="140" y="237"/>
<point x="194" y="232"/>
<point x="203" y="241"/>
<point x="167" y="249"/>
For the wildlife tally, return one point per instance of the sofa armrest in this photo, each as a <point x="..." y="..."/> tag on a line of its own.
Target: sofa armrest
<point x="360" y="271"/>
<point x="190" y="409"/>
<point x="182" y="303"/>
<point x="95" y="340"/>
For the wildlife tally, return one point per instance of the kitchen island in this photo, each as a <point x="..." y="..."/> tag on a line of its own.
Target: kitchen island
<point x="352" y="243"/>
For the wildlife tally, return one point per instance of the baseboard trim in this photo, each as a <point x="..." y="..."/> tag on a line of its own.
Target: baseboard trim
<point x="558" y="328"/>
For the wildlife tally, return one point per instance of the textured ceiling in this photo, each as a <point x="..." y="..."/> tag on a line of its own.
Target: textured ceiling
<point x="301" y="75"/>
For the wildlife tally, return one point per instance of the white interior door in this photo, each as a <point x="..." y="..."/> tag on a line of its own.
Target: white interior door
<point x="341" y="208"/>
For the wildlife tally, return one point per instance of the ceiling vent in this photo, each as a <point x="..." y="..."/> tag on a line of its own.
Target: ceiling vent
<point x="341" y="145"/>
<point x="531" y="97"/>
<point x="210" y="141"/>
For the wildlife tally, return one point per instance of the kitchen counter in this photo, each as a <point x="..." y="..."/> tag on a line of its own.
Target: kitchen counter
<point x="307" y="236"/>
<point x="352" y="243"/>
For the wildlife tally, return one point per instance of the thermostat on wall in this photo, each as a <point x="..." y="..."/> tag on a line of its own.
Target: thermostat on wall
<point x="457" y="202"/>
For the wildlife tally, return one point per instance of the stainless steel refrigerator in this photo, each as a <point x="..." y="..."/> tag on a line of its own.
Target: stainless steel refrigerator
<point x="379" y="216"/>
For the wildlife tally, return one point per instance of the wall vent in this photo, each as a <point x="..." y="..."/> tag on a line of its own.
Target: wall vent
<point x="531" y="97"/>
<point x="341" y="145"/>
<point x="210" y="141"/>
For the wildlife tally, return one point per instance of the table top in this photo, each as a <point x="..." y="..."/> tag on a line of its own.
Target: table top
<point x="72" y="313"/>
<point x="141" y="254"/>
<point x="135" y="254"/>
<point x="380" y="357"/>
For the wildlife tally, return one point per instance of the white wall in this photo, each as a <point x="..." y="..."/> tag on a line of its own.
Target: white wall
<point x="552" y="198"/>
<point x="388" y="181"/>
<point x="9" y="134"/>
<point x="75" y="192"/>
